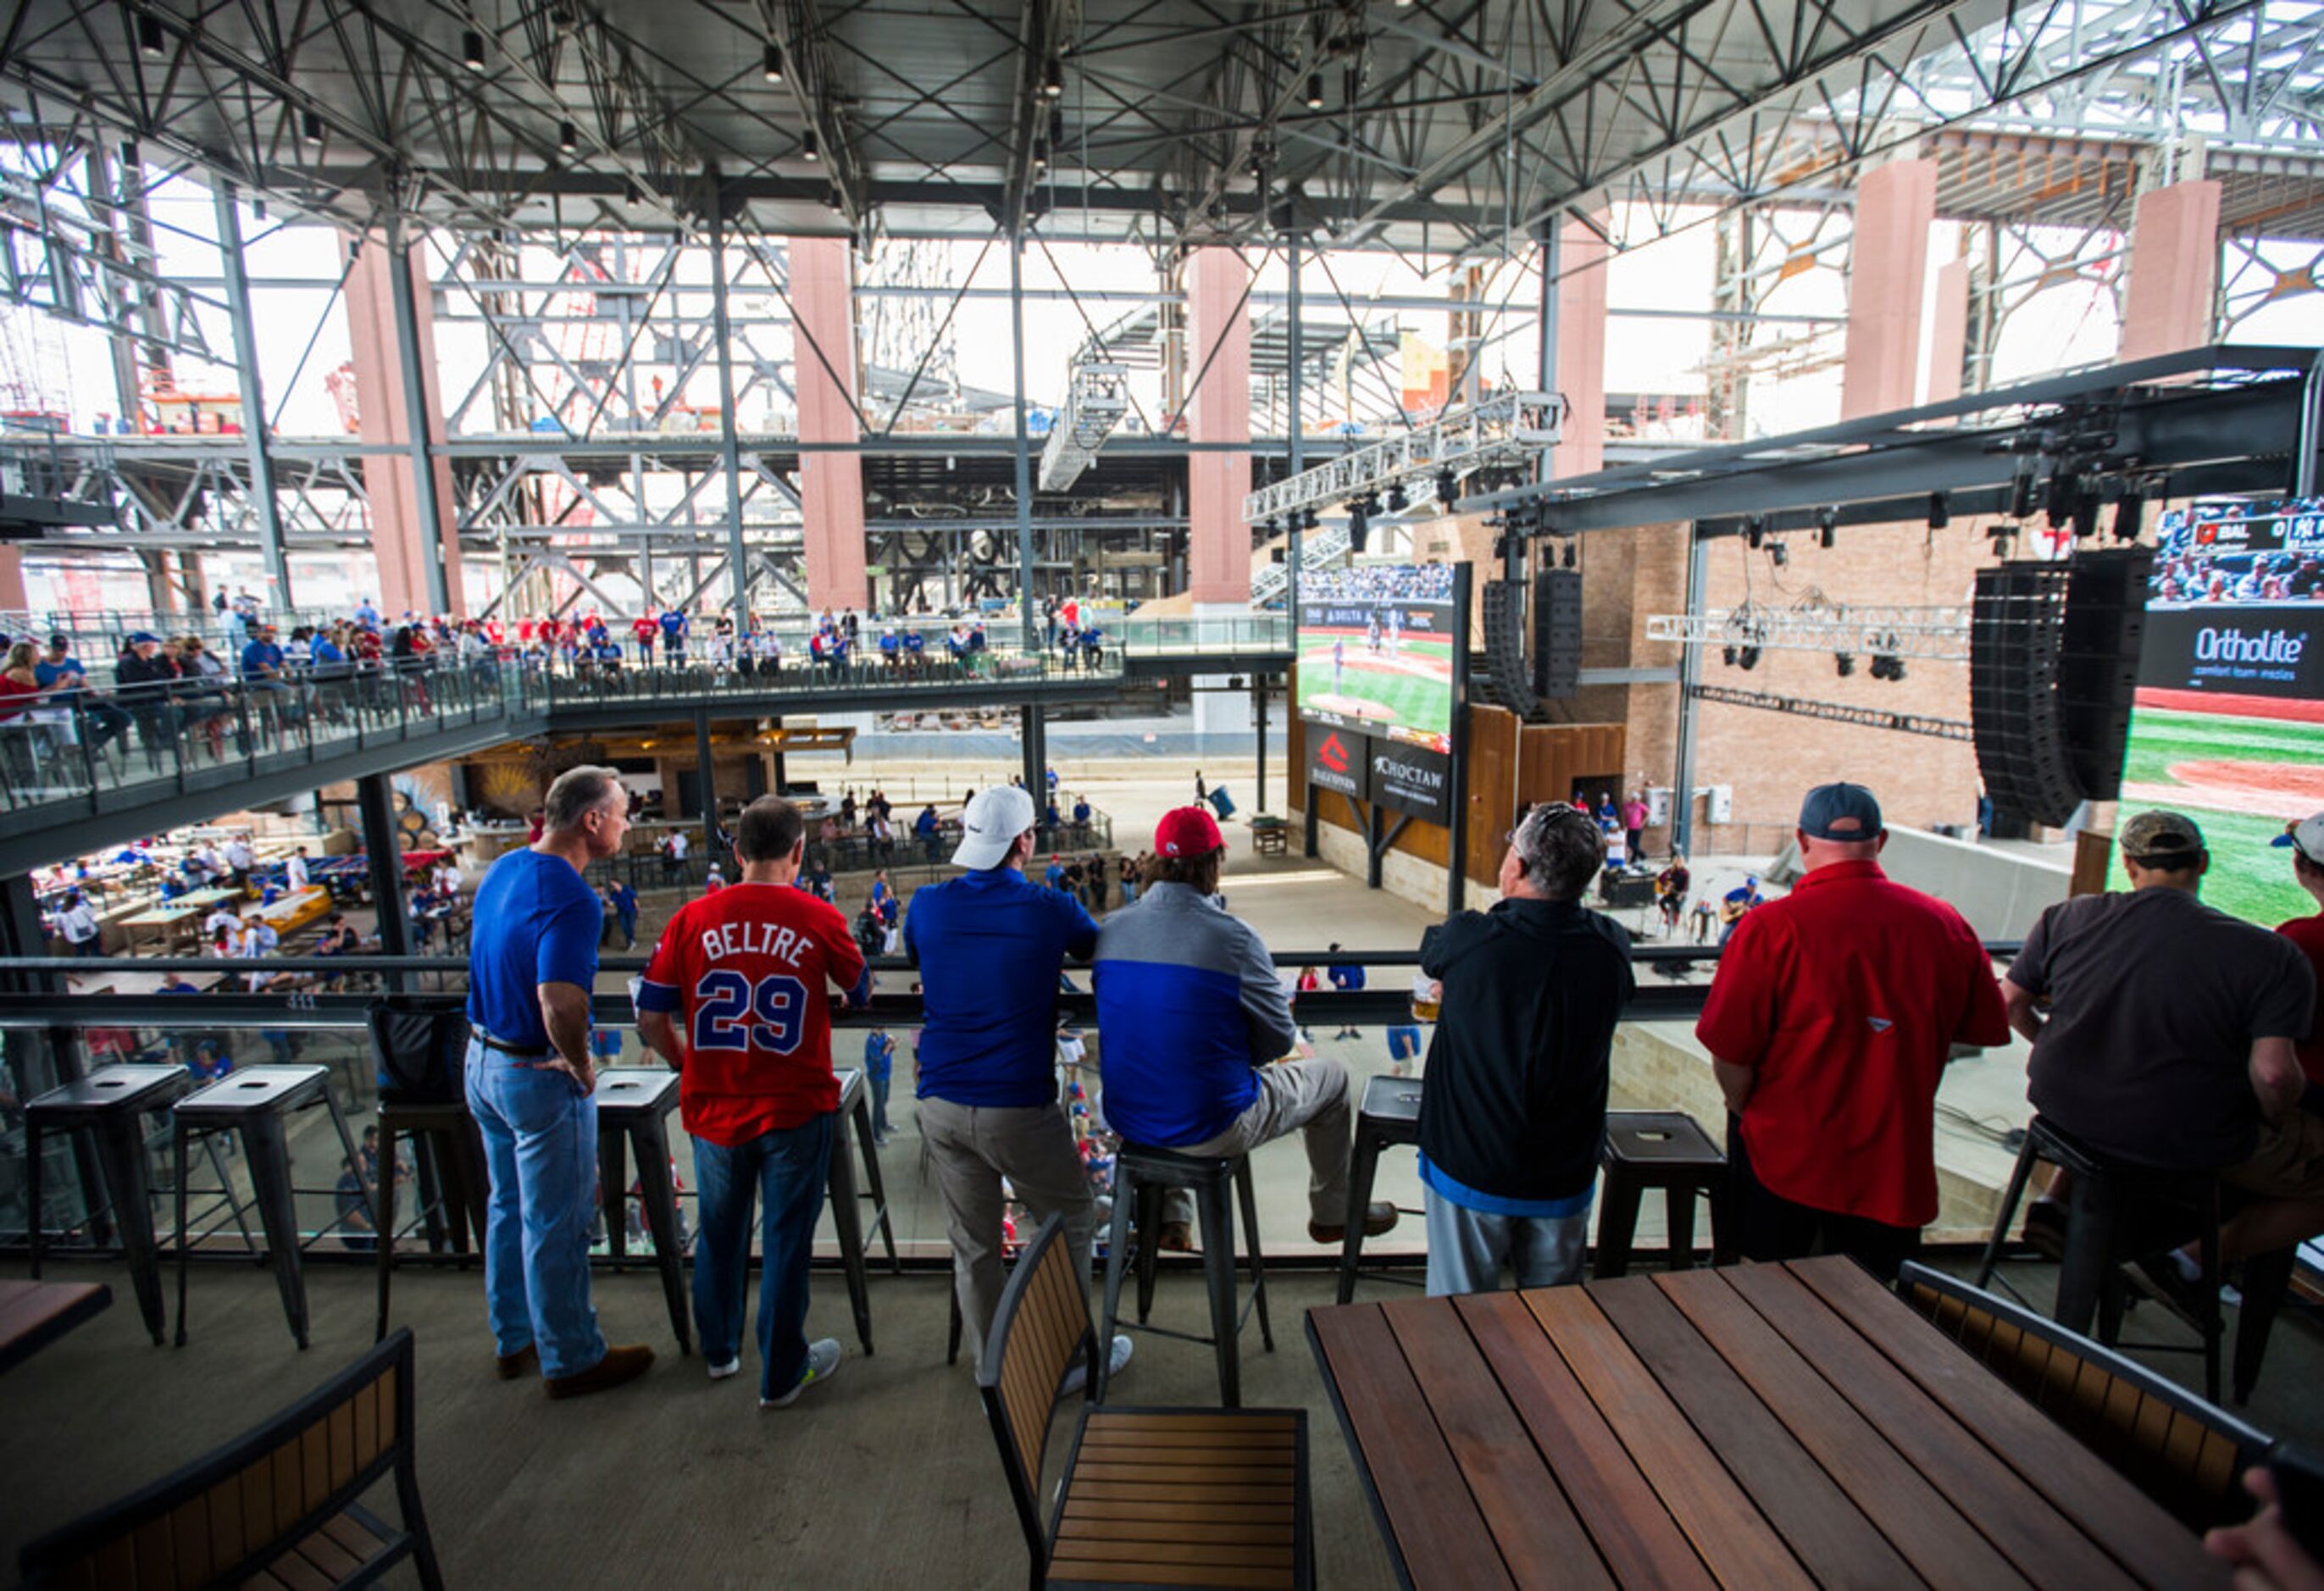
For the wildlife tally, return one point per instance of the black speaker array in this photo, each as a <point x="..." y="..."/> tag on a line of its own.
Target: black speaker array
<point x="2016" y="627"/>
<point x="1508" y="682"/>
<point x="2052" y="671"/>
<point x="1557" y="634"/>
<point x="2097" y="663"/>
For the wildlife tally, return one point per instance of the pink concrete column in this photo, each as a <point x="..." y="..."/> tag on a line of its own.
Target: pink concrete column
<point x="1217" y="409"/>
<point x="2174" y="269"/>
<point x="1580" y="374"/>
<point x="1888" y="269"/>
<point x="383" y="420"/>
<point x="831" y="484"/>
<point x="1949" y="331"/>
<point x="11" y="579"/>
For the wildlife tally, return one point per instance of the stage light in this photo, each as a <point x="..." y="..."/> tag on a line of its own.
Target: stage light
<point x="1728" y="655"/>
<point x="149" y="37"/>
<point x="2021" y="496"/>
<point x="2129" y="516"/>
<point x="1446" y="487"/>
<point x="1266" y="527"/>
<point x="130" y="155"/>
<point x="1779" y="554"/>
<point x="1941" y="513"/>
<point x="1749" y="659"/>
<point x="2086" y="515"/>
<point x="1359" y="527"/>
<point x="1844" y="663"/>
<point x="771" y="62"/>
<point x="568" y="137"/>
<point x="1053" y="77"/>
<point x="1040" y="157"/>
<point x="1314" y="91"/>
<point x="631" y="194"/>
<point x="310" y="126"/>
<point x="1568" y="559"/>
<point x="1755" y="531"/>
<point x="1396" y="500"/>
<point x="810" y="148"/>
<point x="1827" y="528"/>
<point x="472" y="50"/>
<point x="2002" y="537"/>
<point x="1309" y="520"/>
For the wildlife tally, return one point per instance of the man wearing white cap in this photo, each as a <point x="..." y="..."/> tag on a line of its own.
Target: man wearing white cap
<point x="2305" y="841"/>
<point x="990" y="946"/>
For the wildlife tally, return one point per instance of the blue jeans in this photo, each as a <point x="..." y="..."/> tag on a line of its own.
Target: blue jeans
<point x="539" y="1130"/>
<point x="1466" y="1247"/>
<point x="788" y="1169"/>
<point x="880" y="1104"/>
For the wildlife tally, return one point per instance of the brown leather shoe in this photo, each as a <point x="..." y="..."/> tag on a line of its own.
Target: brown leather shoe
<point x="618" y="1366"/>
<point x="1379" y="1216"/>
<point x="522" y="1362"/>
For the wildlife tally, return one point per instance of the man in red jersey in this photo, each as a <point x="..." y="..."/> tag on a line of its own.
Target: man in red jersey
<point x="1830" y="1023"/>
<point x="2305" y="841"/>
<point x="745" y="969"/>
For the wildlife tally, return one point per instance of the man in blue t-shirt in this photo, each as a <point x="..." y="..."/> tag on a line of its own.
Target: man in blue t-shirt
<point x="532" y="963"/>
<point x="1349" y="978"/>
<point x="879" y="1065"/>
<point x="673" y="635"/>
<point x="991" y="946"/>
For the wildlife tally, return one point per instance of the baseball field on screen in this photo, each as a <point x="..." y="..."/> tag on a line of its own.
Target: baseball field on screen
<point x="1375" y="692"/>
<point x="2241" y="778"/>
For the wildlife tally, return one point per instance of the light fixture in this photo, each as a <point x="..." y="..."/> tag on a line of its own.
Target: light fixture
<point x="1056" y="126"/>
<point x="771" y="62"/>
<point x="1748" y="659"/>
<point x="2129" y="516"/>
<point x="1754" y="532"/>
<point x="1826" y="526"/>
<point x="2002" y="535"/>
<point x="1359" y="526"/>
<point x="1779" y="554"/>
<point x="568" y="137"/>
<point x="809" y="148"/>
<point x="1940" y="512"/>
<point x="1040" y="157"/>
<point x="129" y="154"/>
<point x="1446" y="485"/>
<point x="1844" y="663"/>
<point x="258" y="208"/>
<point x="1396" y="500"/>
<point x="1727" y="655"/>
<point x="1568" y="559"/>
<point x="631" y="194"/>
<point x="472" y="50"/>
<point x="149" y="37"/>
<point x="1309" y="520"/>
<point x="1053" y="77"/>
<point x="1314" y="91"/>
<point x="310" y="126"/>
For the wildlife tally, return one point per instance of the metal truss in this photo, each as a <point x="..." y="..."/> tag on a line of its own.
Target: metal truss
<point x="1322" y="548"/>
<point x="1097" y="396"/>
<point x="1507" y="432"/>
<point x="1940" y="634"/>
<point x="1908" y="723"/>
<point x="2256" y="275"/>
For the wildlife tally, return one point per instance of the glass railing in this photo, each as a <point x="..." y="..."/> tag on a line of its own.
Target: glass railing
<point x="1257" y="633"/>
<point x="578" y="681"/>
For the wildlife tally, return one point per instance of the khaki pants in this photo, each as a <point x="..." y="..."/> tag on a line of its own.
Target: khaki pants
<point x="1310" y="1097"/>
<point x="972" y="1147"/>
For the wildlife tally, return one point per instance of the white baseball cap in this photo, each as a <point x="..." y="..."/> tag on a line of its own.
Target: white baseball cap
<point x="990" y="825"/>
<point x="2306" y="837"/>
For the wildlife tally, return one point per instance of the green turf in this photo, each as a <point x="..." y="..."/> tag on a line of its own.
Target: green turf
<point x="1417" y="702"/>
<point x="2249" y="877"/>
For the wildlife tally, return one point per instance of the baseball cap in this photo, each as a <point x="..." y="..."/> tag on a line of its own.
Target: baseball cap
<point x="990" y="825"/>
<point x="144" y="638"/>
<point x="2159" y="837"/>
<point x="1188" y="831"/>
<point x="2306" y="837"/>
<point x="1840" y="812"/>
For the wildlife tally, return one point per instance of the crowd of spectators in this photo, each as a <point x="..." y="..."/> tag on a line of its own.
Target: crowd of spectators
<point x="1377" y="582"/>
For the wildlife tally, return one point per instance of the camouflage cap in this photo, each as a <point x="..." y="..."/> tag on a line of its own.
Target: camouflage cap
<point x="2161" y="837"/>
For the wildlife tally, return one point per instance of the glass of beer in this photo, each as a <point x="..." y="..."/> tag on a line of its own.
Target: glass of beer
<point x="1426" y="993"/>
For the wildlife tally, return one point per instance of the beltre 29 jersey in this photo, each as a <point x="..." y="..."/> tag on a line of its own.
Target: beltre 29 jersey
<point x="743" y="973"/>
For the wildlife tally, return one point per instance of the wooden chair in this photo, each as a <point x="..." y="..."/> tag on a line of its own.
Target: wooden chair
<point x="1149" y="1496"/>
<point x="2184" y="1453"/>
<point x="274" y="1507"/>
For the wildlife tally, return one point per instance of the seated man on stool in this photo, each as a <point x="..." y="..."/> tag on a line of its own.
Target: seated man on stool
<point x="1830" y="1023"/>
<point x="1513" y="1104"/>
<point x="1191" y="1012"/>
<point x="2172" y="1041"/>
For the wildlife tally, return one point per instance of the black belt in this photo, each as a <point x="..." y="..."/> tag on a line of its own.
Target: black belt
<point x="505" y="1048"/>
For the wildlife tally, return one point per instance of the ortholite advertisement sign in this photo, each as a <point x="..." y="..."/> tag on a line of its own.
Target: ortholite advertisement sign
<point x="1412" y="780"/>
<point x="1339" y="761"/>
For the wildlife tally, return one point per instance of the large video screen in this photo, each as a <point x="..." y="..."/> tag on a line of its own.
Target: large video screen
<point x="1376" y="651"/>
<point x="2228" y="724"/>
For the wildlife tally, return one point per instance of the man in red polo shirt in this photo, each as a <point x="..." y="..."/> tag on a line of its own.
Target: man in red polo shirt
<point x="745" y="969"/>
<point x="1830" y="1023"/>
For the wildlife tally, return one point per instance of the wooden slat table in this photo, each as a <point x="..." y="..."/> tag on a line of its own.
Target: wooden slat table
<point x="1765" y="1425"/>
<point x="34" y="1314"/>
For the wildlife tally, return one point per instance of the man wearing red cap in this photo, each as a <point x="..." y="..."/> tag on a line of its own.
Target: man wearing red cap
<point x="1195" y="1023"/>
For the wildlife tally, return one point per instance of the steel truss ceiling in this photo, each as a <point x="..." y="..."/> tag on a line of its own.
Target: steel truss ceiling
<point x="1457" y="124"/>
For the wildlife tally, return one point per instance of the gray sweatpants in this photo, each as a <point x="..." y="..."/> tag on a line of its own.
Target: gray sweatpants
<point x="1310" y="1097"/>
<point x="972" y="1147"/>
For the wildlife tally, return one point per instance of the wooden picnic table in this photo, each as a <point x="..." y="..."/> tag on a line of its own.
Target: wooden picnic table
<point x="167" y="922"/>
<point x="34" y="1314"/>
<point x="218" y="894"/>
<point x="1761" y="1425"/>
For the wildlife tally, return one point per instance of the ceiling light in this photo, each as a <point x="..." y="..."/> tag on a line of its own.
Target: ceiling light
<point x="631" y="194"/>
<point x="1844" y="663"/>
<point x="472" y="50"/>
<point x="568" y="137"/>
<point x="1396" y="500"/>
<point x="129" y="154"/>
<point x="808" y="147"/>
<point x="1307" y="520"/>
<point x="150" y="38"/>
<point x="310" y="126"/>
<point x="1755" y="531"/>
<point x="1826" y="526"/>
<point x="1314" y="91"/>
<point x="1445" y="486"/>
<point x="1779" y="554"/>
<point x="1040" y="157"/>
<point x="771" y="68"/>
<point x="1727" y="655"/>
<point x="1056" y="127"/>
<point x="1053" y="77"/>
<point x="1748" y="658"/>
<point x="1940" y="511"/>
<point x="2129" y="516"/>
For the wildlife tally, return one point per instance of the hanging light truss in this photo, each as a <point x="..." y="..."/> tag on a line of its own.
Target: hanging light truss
<point x="1940" y="634"/>
<point x="1096" y="398"/>
<point x="1507" y="432"/>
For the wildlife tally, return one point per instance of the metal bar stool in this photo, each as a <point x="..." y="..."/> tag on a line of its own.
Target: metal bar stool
<point x="855" y="1137"/>
<point x="2117" y="1210"/>
<point x="1665" y="1149"/>
<point x="257" y="1101"/>
<point x="454" y="1185"/>
<point x="107" y="1105"/>
<point x="1391" y="1116"/>
<point x="634" y="1106"/>
<point x="1142" y="1173"/>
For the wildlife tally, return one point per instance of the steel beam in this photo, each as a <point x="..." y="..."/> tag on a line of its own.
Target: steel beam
<point x="730" y="451"/>
<point x="257" y="434"/>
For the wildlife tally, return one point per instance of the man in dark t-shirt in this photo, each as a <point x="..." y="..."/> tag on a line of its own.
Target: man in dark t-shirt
<point x="2171" y="1032"/>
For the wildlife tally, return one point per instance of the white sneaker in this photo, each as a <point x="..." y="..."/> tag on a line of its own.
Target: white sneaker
<point x="720" y="1372"/>
<point x="822" y="1365"/>
<point x="1078" y="1377"/>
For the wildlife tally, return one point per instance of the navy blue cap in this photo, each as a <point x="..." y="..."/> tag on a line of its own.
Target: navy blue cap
<point x="1840" y="812"/>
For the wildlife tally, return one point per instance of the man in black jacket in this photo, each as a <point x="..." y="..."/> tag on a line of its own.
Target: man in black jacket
<point x="144" y="676"/>
<point x="1513" y="1103"/>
